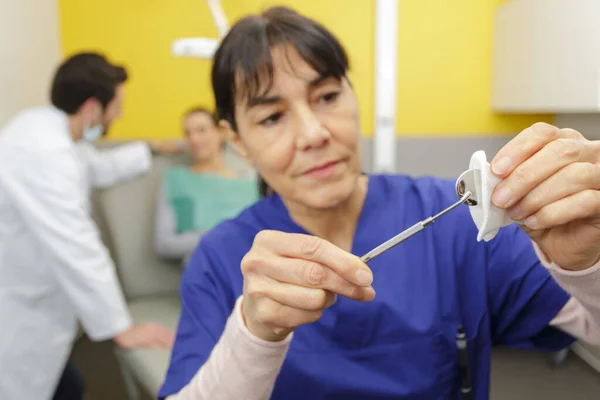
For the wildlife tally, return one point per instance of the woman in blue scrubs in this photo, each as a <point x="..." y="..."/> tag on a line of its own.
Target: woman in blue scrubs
<point x="387" y="330"/>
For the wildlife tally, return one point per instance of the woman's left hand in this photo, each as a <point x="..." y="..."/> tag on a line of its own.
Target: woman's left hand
<point x="551" y="182"/>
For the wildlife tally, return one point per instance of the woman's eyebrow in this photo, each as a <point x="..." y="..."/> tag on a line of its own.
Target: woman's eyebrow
<point x="263" y="100"/>
<point x="319" y="80"/>
<point x="268" y="100"/>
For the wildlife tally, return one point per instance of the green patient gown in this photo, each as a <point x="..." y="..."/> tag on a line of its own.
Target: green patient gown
<point x="202" y="200"/>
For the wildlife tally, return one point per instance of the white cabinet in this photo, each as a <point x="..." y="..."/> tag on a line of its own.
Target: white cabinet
<point x="546" y="56"/>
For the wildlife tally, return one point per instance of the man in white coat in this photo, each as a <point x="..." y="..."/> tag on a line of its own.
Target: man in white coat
<point x="54" y="269"/>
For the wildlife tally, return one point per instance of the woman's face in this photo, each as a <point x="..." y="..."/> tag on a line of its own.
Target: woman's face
<point x="203" y="138"/>
<point x="303" y="135"/>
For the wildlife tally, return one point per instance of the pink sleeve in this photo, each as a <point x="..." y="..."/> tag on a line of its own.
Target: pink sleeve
<point x="250" y="365"/>
<point x="580" y="317"/>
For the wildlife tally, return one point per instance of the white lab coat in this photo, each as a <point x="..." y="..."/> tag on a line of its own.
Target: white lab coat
<point x="54" y="269"/>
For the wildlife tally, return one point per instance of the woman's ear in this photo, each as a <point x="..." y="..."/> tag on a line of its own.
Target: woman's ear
<point x="234" y="141"/>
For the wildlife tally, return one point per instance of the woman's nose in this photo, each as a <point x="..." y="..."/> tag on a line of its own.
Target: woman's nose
<point x="310" y="131"/>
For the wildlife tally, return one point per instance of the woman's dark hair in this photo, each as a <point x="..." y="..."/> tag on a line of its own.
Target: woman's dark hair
<point x="203" y="110"/>
<point x="82" y="76"/>
<point x="243" y="66"/>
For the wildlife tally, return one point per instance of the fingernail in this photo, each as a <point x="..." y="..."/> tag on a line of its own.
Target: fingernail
<point x="363" y="277"/>
<point x="502" y="197"/>
<point x="370" y="289"/>
<point x="531" y="222"/>
<point x="502" y="166"/>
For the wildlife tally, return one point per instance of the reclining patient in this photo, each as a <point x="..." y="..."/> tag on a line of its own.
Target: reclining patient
<point x="193" y="198"/>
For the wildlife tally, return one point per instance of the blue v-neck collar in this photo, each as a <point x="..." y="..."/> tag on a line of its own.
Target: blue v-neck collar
<point x="285" y="222"/>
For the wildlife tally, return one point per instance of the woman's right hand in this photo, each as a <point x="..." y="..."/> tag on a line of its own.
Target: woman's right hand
<point x="290" y="279"/>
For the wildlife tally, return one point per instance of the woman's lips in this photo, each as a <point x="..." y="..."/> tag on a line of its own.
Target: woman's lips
<point x="323" y="171"/>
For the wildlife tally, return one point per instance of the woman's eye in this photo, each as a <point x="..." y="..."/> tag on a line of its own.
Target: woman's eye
<point x="271" y="119"/>
<point x="330" y="97"/>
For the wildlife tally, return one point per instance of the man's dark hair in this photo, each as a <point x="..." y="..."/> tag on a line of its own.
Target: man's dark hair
<point x="243" y="65"/>
<point x="83" y="76"/>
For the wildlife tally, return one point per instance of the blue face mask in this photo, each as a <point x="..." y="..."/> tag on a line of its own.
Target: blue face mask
<point x="93" y="132"/>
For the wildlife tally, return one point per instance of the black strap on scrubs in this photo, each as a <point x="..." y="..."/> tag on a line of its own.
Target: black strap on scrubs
<point x="466" y="391"/>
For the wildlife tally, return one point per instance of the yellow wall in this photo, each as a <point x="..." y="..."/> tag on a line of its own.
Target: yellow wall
<point x="444" y="59"/>
<point x="139" y="33"/>
<point x="444" y="62"/>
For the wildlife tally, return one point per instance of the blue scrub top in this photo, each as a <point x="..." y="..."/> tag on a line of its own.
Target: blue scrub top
<point x="402" y="344"/>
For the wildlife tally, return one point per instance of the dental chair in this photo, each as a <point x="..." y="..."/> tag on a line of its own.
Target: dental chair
<point x="125" y="215"/>
<point x="150" y="284"/>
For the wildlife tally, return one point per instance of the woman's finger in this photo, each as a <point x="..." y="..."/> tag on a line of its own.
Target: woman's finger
<point x="312" y="248"/>
<point x="302" y="298"/>
<point x="279" y="317"/>
<point x="525" y="145"/>
<point x="312" y="275"/>
<point x="580" y="205"/>
<point x="539" y="167"/>
<point x="568" y="181"/>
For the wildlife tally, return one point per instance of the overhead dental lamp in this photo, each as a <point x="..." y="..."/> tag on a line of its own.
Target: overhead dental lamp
<point x="203" y="47"/>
